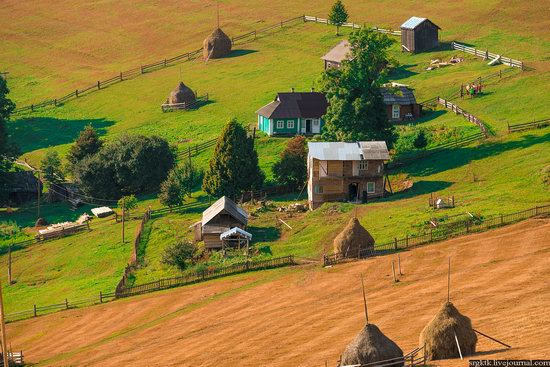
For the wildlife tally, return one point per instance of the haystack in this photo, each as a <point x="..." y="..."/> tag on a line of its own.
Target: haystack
<point x="217" y="45"/>
<point x="439" y="334"/>
<point x="182" y="94"/>
<point x="353" y="238"/>
<point x="369" y="346"/>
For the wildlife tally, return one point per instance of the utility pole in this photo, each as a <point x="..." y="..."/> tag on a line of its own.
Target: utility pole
<point x="9" y="265"/>
<point x="38" y="192"/>
<point x="123" y="205"/>
<point x="3" y="326"/>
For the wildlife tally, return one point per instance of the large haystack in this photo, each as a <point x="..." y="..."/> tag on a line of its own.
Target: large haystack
<point x="369" y="346"/>
<point x="217" y="45"/>
<point x="182" y="94"/>
<point x="353" y="238"/>
<point x="439" y="334"/>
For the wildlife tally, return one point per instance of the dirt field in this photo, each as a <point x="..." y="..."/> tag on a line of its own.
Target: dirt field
<point x="306" y="315"/>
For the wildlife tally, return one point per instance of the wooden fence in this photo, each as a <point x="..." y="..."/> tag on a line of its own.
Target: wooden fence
<point x="468" y="116"/>
<point x="14" y="358"/>
<point x="486" y="55"/>
<point x="416" y="358"/>
<point x="201" y="276"/>
<point x="146" y="68"/>
<point x="308" y="18"/>
<point x="446" y="232"/>
<point x="167" y="107"/>
<point x="528" y="125"/>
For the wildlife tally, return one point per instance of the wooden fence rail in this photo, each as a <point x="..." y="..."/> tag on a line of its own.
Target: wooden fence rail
<point x="457" y="229"/>
<point x="14" y="358"/>
<point x="486" y="55"/>
<point x="203" y="275"/>
<point x="468" y="116"/>
<point x="167" y="107"/>
<point x="308" y="18"/>
<point x="528" y="125"/>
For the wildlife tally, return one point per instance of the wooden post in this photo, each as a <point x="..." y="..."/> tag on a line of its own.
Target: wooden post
<point x="9" y="266"/>
<point x="164" y="62"/>
<point x="142" y="69"/>
<point x="76" y="93"/>
<point x="393" y="271"/>
<point x="66" y="303"/>
<point x="407" y="240"/>
<point x="281" y="24"/>
<point x="55" y="102"/>
<point x="38" y="193"/>
<point x="399" y="264"/>
<point x="3" y="326"/>
<point x="500" y="74"/>
<point x="100" y="297"/>
<point x="98" y="84"/>
<point x="467" y="226"/>
<point x="120" y="76"/>
<point x="123" y="220"/>
<point x="34" y="309"/>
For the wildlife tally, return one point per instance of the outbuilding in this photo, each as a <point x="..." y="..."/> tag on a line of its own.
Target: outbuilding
<point x="400" y="103"/>
<point x="419" y="34"/>
<point x="339" y="53"/>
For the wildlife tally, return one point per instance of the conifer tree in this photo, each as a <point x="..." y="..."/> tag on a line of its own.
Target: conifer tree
<point x="291" y="168"/>
<point x="234" y="167"/>
<point x="338" y="15"/>
<point x="87" y="144"/>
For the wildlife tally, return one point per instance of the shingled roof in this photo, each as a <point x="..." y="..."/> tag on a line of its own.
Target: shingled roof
<point x="399" y="95"/>
<point x="294" y="105"/>
<point x="227" y="205"/>
<point x="339" y="53"/>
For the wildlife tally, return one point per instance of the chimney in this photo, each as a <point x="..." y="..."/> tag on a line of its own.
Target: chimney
<point x="312" y="89"/>
<point x="292" y="89"/>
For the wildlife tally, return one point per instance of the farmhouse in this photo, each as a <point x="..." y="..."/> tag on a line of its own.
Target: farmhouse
<point x="400" y="103"/>
<point x="219" y="222"/>
<point x="419" y="34"/>
<point x="293" y="113"/>
<point x="340" y="171"/>
<point x="334" y="58"/>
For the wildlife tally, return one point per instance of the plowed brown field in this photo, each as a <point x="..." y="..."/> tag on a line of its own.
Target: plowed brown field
<point x="306" y="315"/>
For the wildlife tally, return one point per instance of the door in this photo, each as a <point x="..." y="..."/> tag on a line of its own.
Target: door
<point x="316" y="127"/>
<point x="308" y="126"/>
<point x="353" y="191"/>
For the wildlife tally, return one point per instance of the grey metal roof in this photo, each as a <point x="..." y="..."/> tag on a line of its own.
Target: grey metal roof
<point x="414" y="22"/>
<point x="295" y="104"/>
<point x="224" y="204"/>
<point x="234" y="231"/>
<point x="340" y="151"/>
<point x="339" y="53"/>
<point x="398" y="95"/>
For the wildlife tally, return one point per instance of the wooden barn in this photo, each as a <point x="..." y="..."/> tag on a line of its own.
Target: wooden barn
<point x="21" y="186"/>
<point x="400" y="103"/>
<point x="419" y="34"/>
<point x="339" y="53"/>
<point x="220" y="218"/>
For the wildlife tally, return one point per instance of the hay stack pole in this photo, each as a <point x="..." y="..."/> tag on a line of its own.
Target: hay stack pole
<point x="449" y="282"/>
<point x="364" y="299"/>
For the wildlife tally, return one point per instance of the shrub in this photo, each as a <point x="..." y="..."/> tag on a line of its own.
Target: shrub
<point x="291" y="168"/>
<point x="181" y="254"/>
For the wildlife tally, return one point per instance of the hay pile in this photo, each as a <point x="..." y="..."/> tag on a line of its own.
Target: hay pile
<point x="439" y="334"/>
<point x="217" y="45"/>
<point x="369" y="346"/>
<point x="352" y="239"/>
<point x="182" y="94"/>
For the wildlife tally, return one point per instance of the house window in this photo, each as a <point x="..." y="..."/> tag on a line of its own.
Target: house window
<point x="318" y="189"/>
<point x="280" y="124"/>
<point x="290" y="124"/>
<point x="363" y="165"/>
<point x="370" y="187"/>
<point x="395" y="111"/>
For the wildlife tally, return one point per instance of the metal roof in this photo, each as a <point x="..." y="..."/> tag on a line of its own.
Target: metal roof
<point x="414" y="22"/>
<point x="339" y="53"/>
<point x="228" y="205"/>
<point x="294" y="105"/>
<point x="234" y="231"/>
<point x="340" y="151"/>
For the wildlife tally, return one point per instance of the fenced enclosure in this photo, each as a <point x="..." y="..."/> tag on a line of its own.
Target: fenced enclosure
<point x="468" y="116"/>
<point x="439" y="234"/>
<point x="486" y="55"/>
<point x="169" y="107"/>
<point x="14" y="358"/>
<point x="528" y="125"/>
<point x="308" y="18"/>
<point x="201" y="276"/>
<point x="415" y="358"/>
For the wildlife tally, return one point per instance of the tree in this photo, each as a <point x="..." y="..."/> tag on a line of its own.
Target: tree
<point x="338" y="15"/>
<point x="87" y="144"/>
<point x="128" y="202"/>
<point x="421" y="140"/>
<point x="172" y="192"/>
<point x="181" y="254"/>
<point x="8" y="151"/>
<point x="51" y="168"/>
<point x="356" y="107"/>
<point x="189" y="176"/>
<point x="291" y="168"/>
<point x="234" y="167"/>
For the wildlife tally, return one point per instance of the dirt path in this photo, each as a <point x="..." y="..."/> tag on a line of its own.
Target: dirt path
<point x="304" y="316"/>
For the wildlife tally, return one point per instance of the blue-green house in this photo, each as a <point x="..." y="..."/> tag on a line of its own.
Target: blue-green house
<point x="293" y="113"/>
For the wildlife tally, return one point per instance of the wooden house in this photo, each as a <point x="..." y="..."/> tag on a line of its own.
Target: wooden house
<point x="419" y="34"/>
<point x="221" y="217"/>
<point x="339" y="53"/>
<point x="400" y="103"/>
<point x="339" y="171"/>
<point x="293" y="113"/>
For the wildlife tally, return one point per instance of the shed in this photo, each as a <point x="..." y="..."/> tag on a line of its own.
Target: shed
<point x="21" y="186"/>
<point x="339" y="53"/>
<point x="419" y="34"/>
<point x="400" y="103"/>
<point x="221" y="217"/>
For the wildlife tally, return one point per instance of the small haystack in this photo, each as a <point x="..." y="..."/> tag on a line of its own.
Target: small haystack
<point x="182" y="94"/>
<point x="369" y="346"/>
<point x="439" y="335"/>
<point x="353" y="239"/>
<point x="217" y="45"/>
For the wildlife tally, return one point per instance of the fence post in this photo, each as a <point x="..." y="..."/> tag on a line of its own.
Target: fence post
<point x="55" y="102"/>
<point x="467" y="226"/>
<point x="32" y="107"/>
<point x="536" y="210"/>
<point x="281" y="24"/>
<point x="121" y="76"/>
<point x="142" y="69"/>
<point x="98" y="84"/>
<point x="76" y="93"/>
<point x="395" y="244"/>
<point x="164" y="62"/>
<point x="407" y="240"/>
<point x="34" y="310"/>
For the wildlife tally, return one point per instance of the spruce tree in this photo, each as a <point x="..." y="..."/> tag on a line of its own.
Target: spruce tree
<point x="338" y="15"/>
<point x="87" y="144"/>
<point x="234" y="167"/>
<point x="291" y="168"/>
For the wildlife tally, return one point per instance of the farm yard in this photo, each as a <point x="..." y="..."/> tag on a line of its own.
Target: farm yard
<point x="50" y="52"/>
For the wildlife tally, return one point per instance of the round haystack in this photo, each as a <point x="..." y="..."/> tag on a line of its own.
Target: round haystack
<point x="217" y="45"/>
<point x="353" y="238"/>
<point x="439" y="335"/>
<point x="182" y="94"/>
<point x="40" y="222"/>
<point x="369" y="346"/>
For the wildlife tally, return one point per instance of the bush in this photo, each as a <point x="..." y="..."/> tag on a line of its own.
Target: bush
<point x="291" y="168"/>
<point x="181" y="254"/>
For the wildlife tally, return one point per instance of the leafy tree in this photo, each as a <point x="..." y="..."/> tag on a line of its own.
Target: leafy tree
<point x="291" y="168"/>
<point x="51" y="168"/>
<point x="234" y="167"/>
<point x="338" y="15"/>
<point x="128" y="202"/>
<point x="357" y="110"/>
<point x="421" y="140"/>
<point x="189" y="176"/>
<point x="87" y="144"/>
<point x="8" y="151"/>
<point x="172" y="191"/>
<point x="181" y="254"/>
